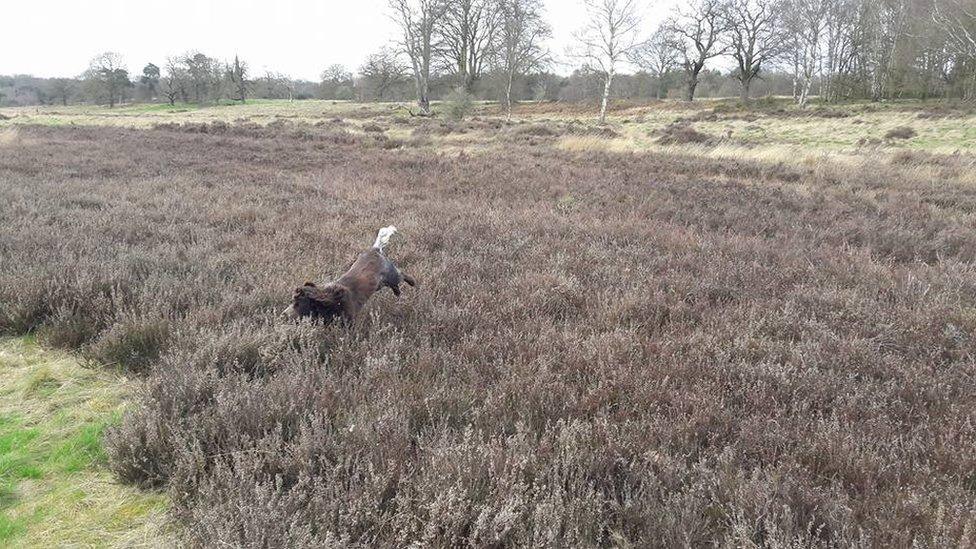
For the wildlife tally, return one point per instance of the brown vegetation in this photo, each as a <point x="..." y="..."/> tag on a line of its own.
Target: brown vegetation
<point x="607" y="349"/>
<point x="901" y="132"/>
<point x="682" y="133"/>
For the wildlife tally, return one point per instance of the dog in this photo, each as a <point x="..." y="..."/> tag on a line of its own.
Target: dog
<point x="347" y="296"/>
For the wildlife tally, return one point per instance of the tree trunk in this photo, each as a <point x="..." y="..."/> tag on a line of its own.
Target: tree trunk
<point x="805" y="91"/>
<point x="423" y="101"/>
<point x="744" y="94"/>
<point x="606" y="97"/>
<point x="690" y="92"/>
<point x="508" y="95"/>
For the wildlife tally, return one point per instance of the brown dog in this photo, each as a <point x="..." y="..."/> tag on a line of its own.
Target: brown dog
<point x="346" y="296"/>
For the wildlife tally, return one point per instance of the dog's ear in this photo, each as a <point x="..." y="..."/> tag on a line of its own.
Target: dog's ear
<point x="310" y="285"/>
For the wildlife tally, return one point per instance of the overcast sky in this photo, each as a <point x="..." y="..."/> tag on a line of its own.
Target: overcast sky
<point x="295" y="37"/>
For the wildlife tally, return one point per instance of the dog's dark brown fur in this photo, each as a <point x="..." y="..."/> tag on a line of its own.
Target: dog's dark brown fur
<point x="346" y="296"/>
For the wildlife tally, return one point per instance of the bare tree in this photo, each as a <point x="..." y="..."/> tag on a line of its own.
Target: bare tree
<point x="841" y="43"/>
<point x="522" y="35"/>
<point x="699" y="29"/>
<point x="957" y="19"/>
<point x="170" y="88"/>
<point x="174" y="84"/>
<point x="806" y="20"/>
<point x="336" y="83"/>
<point x="278" y="85"/>
<point x="467" y="37"/>
<point x="755" y="37"/>
<point x="418" y="21"/>
<point x="106" y="77"/>
<point x="382" y="72"/>
<point x="658" y="55"/>
<point x="336" y="74"/>
<point x="884" y="21"/>
<point x="237" y="73"/>
<point x="607" y="39"/>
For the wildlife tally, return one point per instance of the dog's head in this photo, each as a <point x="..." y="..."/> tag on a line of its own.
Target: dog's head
<point x="312" y="301"/>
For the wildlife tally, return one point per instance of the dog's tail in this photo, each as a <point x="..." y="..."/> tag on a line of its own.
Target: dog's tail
<point x="383" y="237"/>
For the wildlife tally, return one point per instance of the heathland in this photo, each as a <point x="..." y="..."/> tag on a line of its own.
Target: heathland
<point x="698" y="324"/>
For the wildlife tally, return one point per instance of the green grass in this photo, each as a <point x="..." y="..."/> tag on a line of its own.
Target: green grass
<point x="55" y="489"/>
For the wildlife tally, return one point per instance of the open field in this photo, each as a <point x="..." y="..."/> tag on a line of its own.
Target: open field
<point x="615" y="341"/>
<point x="771" y="130"/>
<point x="55" y="488"/>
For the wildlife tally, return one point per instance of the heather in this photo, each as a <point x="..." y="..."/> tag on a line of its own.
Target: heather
<point x="605" y="348"/>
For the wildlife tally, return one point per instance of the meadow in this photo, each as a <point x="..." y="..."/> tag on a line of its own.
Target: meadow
<point x="55" y="487"/>
<point x="698" y="325"/>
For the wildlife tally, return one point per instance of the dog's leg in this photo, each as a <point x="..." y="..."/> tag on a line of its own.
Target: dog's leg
<point x="408" y="279"/>
<point x="396" y="290"/>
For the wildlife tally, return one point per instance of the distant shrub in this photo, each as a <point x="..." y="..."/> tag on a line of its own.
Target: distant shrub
<point x="537" y="130"/>
<point x="907" y="157"/>
<point x="605" y="132"/>
<point x="388" y="143"/>
<point x="901" y="132"/>
<point x="458" y="105"/>
<point x="430" y="127"/>
<point x="373" y="128"/>
<point x="682" y="134"/>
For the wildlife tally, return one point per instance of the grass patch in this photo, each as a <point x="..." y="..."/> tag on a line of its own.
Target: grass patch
<point x="55" y="489"/>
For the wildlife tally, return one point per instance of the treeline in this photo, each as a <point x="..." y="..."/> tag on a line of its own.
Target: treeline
<point x="834" y="49"/>
<point x="189" y="78"/>
<point x="340" y="84"/>
<point x="497" y="50"/>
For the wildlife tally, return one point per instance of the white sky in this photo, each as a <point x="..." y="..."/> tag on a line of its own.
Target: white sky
<point x="296" y="37"/>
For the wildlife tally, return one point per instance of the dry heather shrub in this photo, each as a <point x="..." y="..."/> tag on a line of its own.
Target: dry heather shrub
<point x="901" y="132"/>
<point x="277" y="128"/>
<point x="923" y="158"/>
<point x="683" y="134"/>
<point x="549" y="129"/>
<point x="537" y="130"/>
<point x="605" y="350"/>
<point x="133" y="342"/>
<point x="604" y="132"/>
<point x="431" y="127"/>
